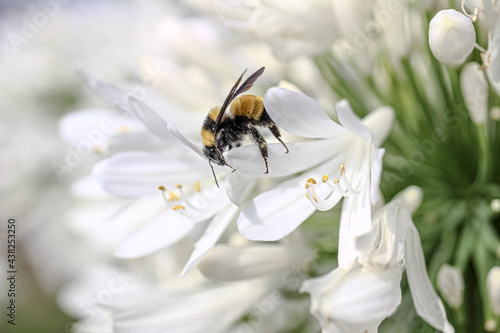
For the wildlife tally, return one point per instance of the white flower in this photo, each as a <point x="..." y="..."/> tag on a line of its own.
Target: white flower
<point x="359" y="297"/>
<point x="354" y="299"/>
<point x="451" y="36"/>
<point x="451" y="285"/>
<point x="292" y="29"/>
<point x="275" y="213"/>
<point x="227" y="262"/>
<point x="210" y="307"/>
<point x="475" y="91"/>
<point x="493" y="285"/>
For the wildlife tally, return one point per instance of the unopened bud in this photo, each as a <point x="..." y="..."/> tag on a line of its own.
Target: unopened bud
<point x="493" y="286"/>
<point x="451" y="36"/>
<point x="451" y="285"/>
<point x="475" y="90"/>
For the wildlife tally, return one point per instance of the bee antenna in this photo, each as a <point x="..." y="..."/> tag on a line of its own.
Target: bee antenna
<point x="213" y="172"/>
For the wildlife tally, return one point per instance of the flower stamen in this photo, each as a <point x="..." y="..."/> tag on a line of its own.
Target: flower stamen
<point x="336" y="190"/>
<point x="178" y="200"/>
<point x="473" y="16"/>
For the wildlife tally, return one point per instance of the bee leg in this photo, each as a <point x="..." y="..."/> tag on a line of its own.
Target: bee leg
<point x="223" y="160"/>
<point x="262" y="145"/>
<point x="274" y="129"/>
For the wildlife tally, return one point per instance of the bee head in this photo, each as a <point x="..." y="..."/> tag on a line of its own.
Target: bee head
<point x="213" y="154"/>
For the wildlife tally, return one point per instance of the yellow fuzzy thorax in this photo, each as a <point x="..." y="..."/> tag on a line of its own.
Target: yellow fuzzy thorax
<point x="250" y="106"/>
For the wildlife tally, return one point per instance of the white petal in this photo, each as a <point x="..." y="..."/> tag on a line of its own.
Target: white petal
<point x="109" y="93"/>
<point x="379" y="122"/>
<point x="376" y="174"/>
<point x="302" y="156"/>
<point x="163" y="129"/>
<point x="138" y="173"/>
<point x="150" y="118"/>
<point x="186" y="142"/>
<point x="239" y="187"/>
<point x="427" y="303"/>
<point x="275" y="213"/>
<point x="210" y="237"/>
<point x="367" y="296"/>
<point x="355" y="219"/>
<point x="164" y="230"/>
<point x="230" y="263"/>
<point x="143" y="141"/>
<point x="351" y="122"/>
<point x="299" y="114"/>
<point x="493" y="71"/>
<point x="88" y="188"/>
<point x="212" y="309"/>
<point x="354" y="299"/>
<point x="95" y="126"/>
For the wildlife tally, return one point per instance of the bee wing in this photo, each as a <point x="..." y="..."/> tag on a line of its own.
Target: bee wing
<point x="244" y="87"/>
<point x="249" y="82"/>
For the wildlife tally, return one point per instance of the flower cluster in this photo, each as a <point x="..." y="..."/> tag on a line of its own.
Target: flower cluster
<point x="374" y="207"/>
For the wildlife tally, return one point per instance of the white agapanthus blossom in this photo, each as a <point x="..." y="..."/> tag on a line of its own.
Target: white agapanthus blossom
<point x="451" y="36"/>
<point x="350" y="148"/>
<point x="450" y="283"/>
<point x="359" y="297"/>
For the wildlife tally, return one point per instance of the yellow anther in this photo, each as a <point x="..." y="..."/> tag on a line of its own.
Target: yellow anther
<point x="197" y="186"/>
<point x="315" y="198"/>
<point x="311" y="181"/>
<point x="342" y="169"/>
<point x="336" y="181"/>
<point x="307" y="185"/>
<point x="324" y="179"/>
<point x="178" y="185"/>
<point x="98" y="149"/>
<point x="123" y="129"/>
<point x="177" y="207"/>
<point x="307" y="196"/>
<point x="162" y="188"/>
<point x="173" y="196"/>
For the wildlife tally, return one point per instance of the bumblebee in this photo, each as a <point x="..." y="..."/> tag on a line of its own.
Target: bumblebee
<point x="222" y="131"/>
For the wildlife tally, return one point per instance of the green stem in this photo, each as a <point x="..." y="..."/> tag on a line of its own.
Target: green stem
<point x="482" y="267"/>
<point x="483" y="161"/>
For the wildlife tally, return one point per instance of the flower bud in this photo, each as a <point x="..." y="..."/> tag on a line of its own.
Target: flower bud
<point x="451" y="36"/>
<point x="451" y="285"/>
<point x="493" y="285"/>
<point x="475" y="90"/>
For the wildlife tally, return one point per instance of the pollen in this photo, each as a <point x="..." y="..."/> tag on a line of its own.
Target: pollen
<point x="178" y="207"/>
<point x="98" y="149"/>
<point x="197" y="186"/>
<point x="179" y="186"/>
<point x="311" y="181"/>
<point x="173" y="196"/>
<point x="332" y="193"/>
<point x="123" y="129"/>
